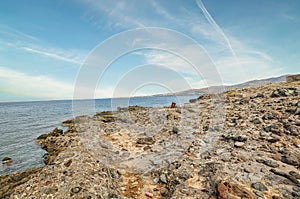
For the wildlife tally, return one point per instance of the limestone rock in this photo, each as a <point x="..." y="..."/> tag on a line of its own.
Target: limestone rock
<point x="251" y="151"/>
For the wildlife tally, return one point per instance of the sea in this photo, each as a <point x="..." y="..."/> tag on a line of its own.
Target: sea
<point x="22" y="122"/>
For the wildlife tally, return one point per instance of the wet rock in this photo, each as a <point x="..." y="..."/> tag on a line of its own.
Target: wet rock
<point x="42" y="137"/>
<point x="67" y="123"/>
<point x="259" y="186"/>
<point x="7" y="160"/>
<point x="53" y="144"/>
<point x="56" y="132"/>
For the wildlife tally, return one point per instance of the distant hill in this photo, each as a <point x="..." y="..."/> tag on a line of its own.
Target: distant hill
<point x="259" y="82"/>
<point x="230" y="87"/>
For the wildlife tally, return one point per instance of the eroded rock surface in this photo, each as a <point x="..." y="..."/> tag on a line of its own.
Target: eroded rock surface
<point x="184" y="152"/>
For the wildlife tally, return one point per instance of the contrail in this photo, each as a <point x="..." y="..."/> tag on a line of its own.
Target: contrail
<point x="216" y="27"/>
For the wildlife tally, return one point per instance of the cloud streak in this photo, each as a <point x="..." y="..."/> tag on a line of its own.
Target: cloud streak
<point x="118" y="14"/>
<point x="13" y="38"/>
<point x="216" y="27"/>
<point x="13" y="33"/>
<point x="62" y="57"/>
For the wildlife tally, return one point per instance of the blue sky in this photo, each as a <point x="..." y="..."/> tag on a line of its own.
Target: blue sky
<point x="45" y="43"/>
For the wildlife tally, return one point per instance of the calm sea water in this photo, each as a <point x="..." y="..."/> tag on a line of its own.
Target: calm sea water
<point x="22" y="122"/>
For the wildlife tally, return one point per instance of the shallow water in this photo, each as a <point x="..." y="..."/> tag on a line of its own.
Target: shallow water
<point x="22" y="122"/>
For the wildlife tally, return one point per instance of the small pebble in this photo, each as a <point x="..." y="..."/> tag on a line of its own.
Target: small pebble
<point x="239" y="144"/>
<point x="163" y="178"/>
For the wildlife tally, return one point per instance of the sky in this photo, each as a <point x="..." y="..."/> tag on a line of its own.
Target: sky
<point x="65" y="49"/>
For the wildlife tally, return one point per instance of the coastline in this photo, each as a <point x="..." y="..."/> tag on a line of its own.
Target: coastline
<point x="256" y="153"/>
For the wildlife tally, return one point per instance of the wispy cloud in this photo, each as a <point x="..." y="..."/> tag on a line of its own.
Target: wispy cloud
<point x="13" y="38"/>
<point x="119" y="14"/>
<point x="288" y="16"/>
<point x="163" y="12"/>
<point x="15" y="34"/>
<point x="170" y="61"/>
<point x="216" y="27"/>
<point x="60" y="54"/>
<point x="226" y="50"/>
<point x="252" y="65"/>
<point x="193" y="76"/>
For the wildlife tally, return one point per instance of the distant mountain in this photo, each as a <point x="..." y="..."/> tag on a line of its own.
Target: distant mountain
<point x="230" y="87"/>
<point x="259" y="82"/>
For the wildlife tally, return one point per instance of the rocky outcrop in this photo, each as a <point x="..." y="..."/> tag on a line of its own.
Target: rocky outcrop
<point x="10" y="182"/>
<point x="181" y="152"/>
<point x="53" y="142"/>
<point x="293" y="78"/>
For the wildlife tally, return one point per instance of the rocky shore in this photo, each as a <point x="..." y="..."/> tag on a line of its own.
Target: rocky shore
<point x="249" y="147"/>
